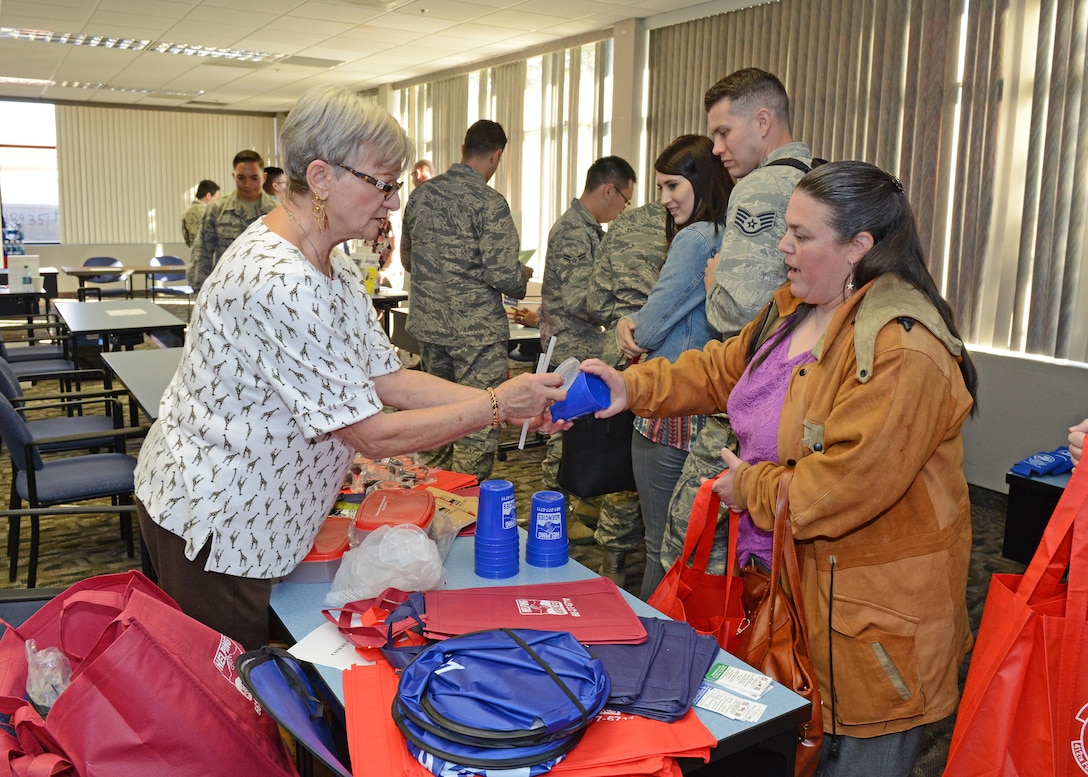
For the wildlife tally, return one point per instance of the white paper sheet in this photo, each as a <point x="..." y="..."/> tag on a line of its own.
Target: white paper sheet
<point x="325" y="645"/>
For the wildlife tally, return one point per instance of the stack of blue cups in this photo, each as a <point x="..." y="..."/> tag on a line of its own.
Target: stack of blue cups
<point x="547" y="544"/>
<point x="497" y="547"/>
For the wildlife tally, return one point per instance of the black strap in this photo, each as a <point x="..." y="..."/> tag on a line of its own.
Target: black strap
<point x="797" y="164"/>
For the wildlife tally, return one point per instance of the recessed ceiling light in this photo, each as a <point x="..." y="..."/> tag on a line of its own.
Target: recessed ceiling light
<point x="185" y="49"/>
<point x="131" y="44"/>
<point x="150" y="92"/>
<point x="25" y="81"/>
<point x="47" y="36"/>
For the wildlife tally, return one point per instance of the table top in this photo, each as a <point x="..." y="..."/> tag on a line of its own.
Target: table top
<point x="41" y="270"/>
<point x="520" y="333"/>
<point x="298" y="606"/>
<point x="115" y="316"/>
<point x="88" y="272"/>
<point x="146" y="374"/>
<point x="8" y="291"/>
<point x="387" y="298"/>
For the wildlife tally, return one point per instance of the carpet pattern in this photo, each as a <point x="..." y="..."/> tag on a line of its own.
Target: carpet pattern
<point x="74" y="547"/>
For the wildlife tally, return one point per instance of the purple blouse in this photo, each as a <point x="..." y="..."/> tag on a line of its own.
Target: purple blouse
<point x="755" y="407"/>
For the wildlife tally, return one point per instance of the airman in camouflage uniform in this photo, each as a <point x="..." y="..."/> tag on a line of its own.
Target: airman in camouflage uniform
<point x="750" y="268"/>
<point x="228" y="216"/>
<point x="461" y="247"/>
<point x="631" y="257"/>
<point x="573" y="248"/>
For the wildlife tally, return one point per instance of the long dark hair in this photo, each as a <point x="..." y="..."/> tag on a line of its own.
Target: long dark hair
<point x="861" y="197"/>
<point x="692" y="157"/>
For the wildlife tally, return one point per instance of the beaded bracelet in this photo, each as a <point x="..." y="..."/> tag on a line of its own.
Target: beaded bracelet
<point x="496" y="422"/>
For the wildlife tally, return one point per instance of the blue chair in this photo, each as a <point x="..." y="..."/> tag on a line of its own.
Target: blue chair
<point x="168" y="282"/>
<point x="45" y="339"/>
<point x="100" y="290"/>
<point x="72" y="421"/>
<point x="45" y="483"/>
<point x="160" y="283"/>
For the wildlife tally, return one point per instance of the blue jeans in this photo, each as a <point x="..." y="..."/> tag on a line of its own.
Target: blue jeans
<point x="657" y="468"/>
<point x="890" y="755"/>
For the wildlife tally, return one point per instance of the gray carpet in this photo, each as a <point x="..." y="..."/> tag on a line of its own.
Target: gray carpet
<point x="76" y="547"/>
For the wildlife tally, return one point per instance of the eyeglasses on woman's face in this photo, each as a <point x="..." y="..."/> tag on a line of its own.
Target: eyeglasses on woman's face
<point x="388" y="189"/>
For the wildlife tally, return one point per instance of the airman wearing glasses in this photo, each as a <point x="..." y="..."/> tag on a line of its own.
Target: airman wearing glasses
<point x="573" y="250"/>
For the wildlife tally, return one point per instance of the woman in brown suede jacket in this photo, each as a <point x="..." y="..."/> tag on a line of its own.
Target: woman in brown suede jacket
<point x="857" y="369"/>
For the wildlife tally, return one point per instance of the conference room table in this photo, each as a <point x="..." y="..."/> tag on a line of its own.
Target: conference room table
<point x="149" y="271"/>
<point x="385" y="299"/>
<point x="115" y="317"/>
<point x="16" y="302"/>
<point x="145" y="374"/>
<point x="296" y="610"/>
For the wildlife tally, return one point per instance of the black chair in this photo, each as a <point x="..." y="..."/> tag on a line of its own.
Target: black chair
<point x="49" y="483"/>
<point x="99" y="290"/>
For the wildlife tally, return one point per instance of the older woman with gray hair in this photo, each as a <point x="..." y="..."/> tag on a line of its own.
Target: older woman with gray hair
<point x="285" y="375"/>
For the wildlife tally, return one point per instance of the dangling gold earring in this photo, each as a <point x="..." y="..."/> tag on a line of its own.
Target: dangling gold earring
<point x="320" y="215"/>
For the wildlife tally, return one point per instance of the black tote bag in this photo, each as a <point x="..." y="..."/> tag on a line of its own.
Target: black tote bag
<point x="597" y="456"/>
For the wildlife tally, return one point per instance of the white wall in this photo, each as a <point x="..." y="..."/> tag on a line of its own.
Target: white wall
<point x="1026" y="405"/>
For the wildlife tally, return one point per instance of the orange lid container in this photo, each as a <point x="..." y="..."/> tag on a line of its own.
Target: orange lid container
<point x="331" y="541"/>
<point x="394" y="508"/>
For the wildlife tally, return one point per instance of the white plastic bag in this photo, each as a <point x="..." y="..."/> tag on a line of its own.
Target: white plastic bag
<point x="402" y="557"/>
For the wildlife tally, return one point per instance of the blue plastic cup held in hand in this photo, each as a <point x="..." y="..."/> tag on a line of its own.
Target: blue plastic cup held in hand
<point x="547" y="544"/>
<point x="586" y="393"/>
<point x="496" y="542"/>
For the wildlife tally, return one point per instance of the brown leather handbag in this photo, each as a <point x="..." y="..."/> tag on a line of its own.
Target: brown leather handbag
<point x="776" y="640"/>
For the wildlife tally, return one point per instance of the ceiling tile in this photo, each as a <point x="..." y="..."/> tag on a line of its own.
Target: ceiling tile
<point x="377" y="42"/>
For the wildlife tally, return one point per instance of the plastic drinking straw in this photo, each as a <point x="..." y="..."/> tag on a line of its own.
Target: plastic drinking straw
<point x="542" y="364"/>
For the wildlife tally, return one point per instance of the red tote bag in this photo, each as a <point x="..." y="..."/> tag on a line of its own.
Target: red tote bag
<point x="152" y="692"/>
<point x="1024" y="711"/>
<point x="711" y="604"/>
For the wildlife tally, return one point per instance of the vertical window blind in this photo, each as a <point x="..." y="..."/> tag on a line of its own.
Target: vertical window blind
<point x="121" y="169"/>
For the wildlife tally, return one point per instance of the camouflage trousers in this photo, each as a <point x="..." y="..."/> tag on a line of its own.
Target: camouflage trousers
<point x="704" y="461"/>
<point x="469" y="365"/>
<point x="616" y="517"/>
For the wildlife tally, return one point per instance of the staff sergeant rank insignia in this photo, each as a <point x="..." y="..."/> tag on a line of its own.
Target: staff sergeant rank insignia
<point x="753" y="224"/>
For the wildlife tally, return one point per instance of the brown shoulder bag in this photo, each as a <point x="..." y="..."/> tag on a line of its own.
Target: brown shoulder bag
<point x="776" y="639"/>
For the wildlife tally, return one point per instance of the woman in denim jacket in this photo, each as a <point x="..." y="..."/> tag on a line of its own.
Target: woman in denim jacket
<point x="695" y="191"/>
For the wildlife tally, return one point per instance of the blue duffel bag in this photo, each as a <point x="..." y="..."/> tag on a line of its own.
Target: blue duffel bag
<point x="499" y="699"/>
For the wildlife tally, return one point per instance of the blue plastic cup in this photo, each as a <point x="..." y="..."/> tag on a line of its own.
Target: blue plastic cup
<point x="489" y="572"/>
<point x="496" y="551"/>
<point x="547" y="544"/>
<point x="496" y="560"/>
<point x="496" y="515"/>
<point x="586" y="394"/>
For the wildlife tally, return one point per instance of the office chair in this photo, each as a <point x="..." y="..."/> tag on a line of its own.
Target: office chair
<point x="100" y="291"/>
<point x="44" y="483"/>
<point x="161" y="284"/>
<point x="44" y="339"/>
<point x="72" y="421"/>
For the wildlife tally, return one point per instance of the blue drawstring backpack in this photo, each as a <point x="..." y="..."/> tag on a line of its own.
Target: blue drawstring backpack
<point x="499" y="700"/>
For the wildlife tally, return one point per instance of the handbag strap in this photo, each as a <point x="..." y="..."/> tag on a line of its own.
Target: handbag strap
<point x="699" y="538"/>
<point x="1056" y="548"/>
<point x="783" y="550"/>
<point x="789" y="549"/>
